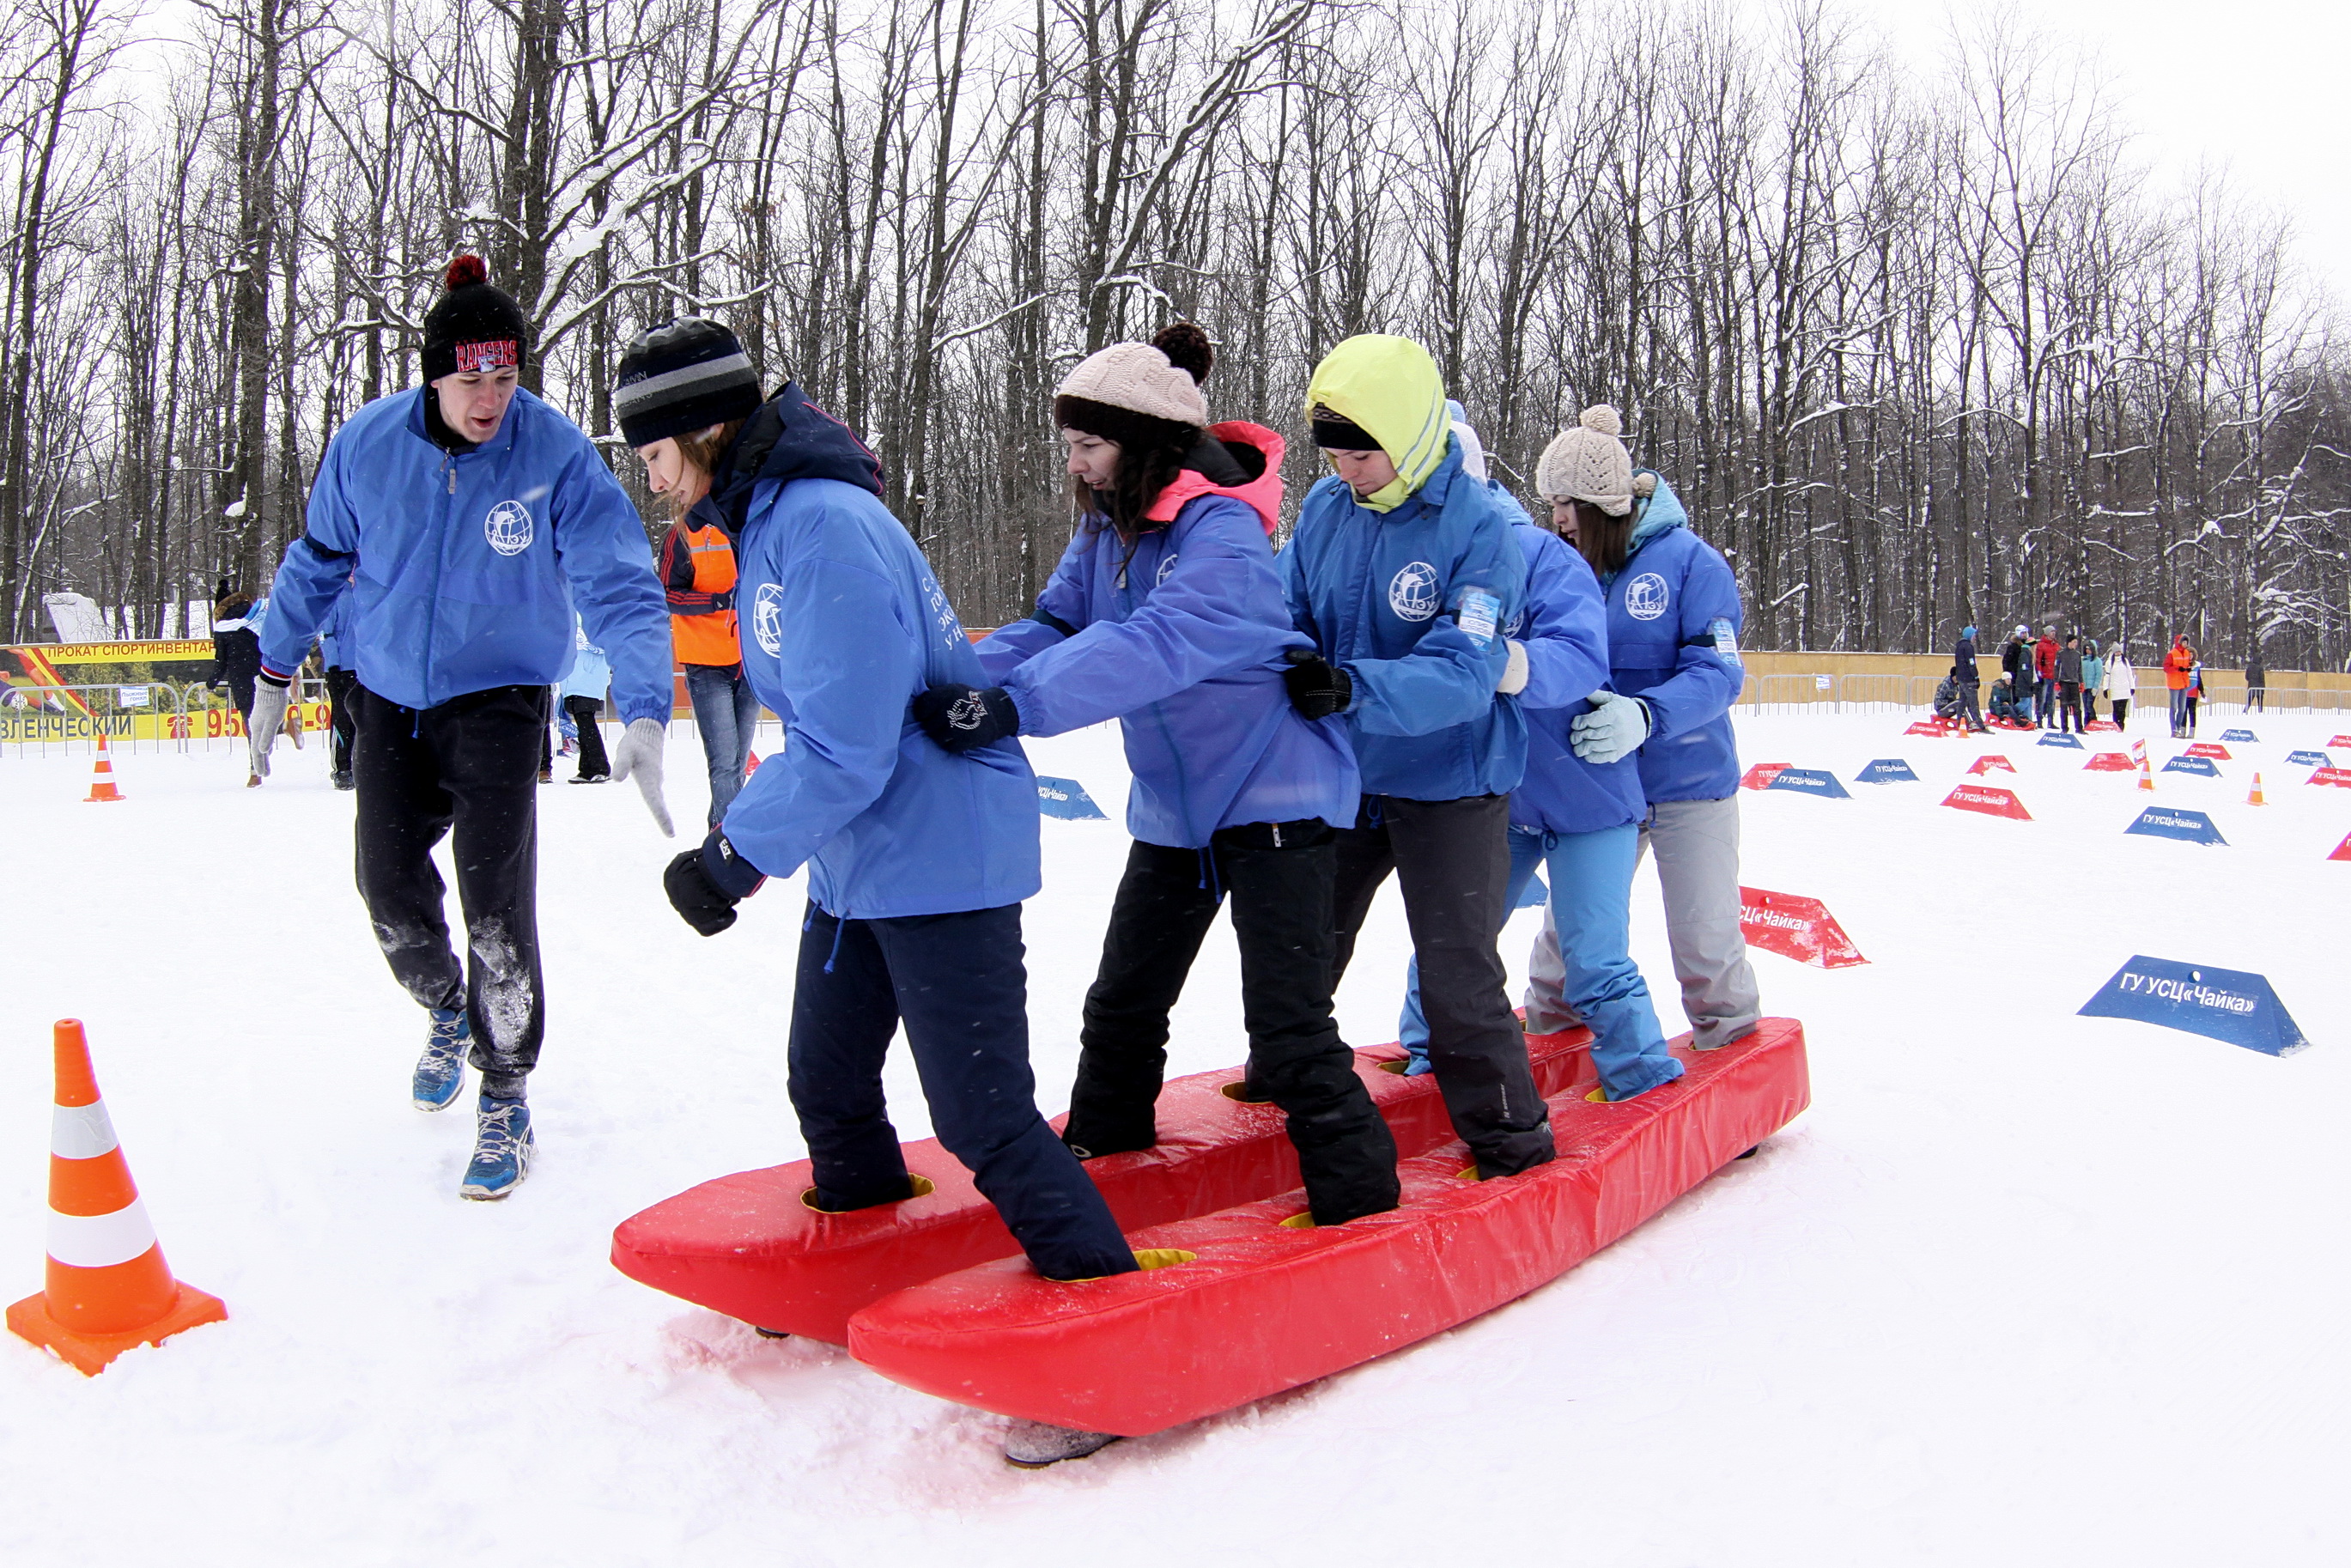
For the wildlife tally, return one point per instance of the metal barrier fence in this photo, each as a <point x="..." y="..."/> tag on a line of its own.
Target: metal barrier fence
<point x="1826" y="692"/>
<point x="137" y="717"/>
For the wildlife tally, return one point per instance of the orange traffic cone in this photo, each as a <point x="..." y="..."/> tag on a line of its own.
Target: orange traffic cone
<point x="2255" y="798"/>
<point x="101" y="781"/>
<point x="109" y="1286"/>
<point x="2146" y="772"/>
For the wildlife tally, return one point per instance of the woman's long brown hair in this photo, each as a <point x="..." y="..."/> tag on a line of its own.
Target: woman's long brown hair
<point x="1605" y="541"/>
<point x="704" y="452"/>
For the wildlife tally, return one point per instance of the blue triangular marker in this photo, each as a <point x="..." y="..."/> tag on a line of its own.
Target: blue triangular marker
<point x="2060" y="738"/>
<point x="2176" y="823"/>
<point x="2219" y="1004"/>
<point x="1810" y="782"/>
<point x="1886" y="770"/>
<point x="1535" y="896"/>
<point x="2200" y="766"/>
<point x="2247" y="735"/>
<point x="2310" y="760"/>
<point x="1067" y="799"/>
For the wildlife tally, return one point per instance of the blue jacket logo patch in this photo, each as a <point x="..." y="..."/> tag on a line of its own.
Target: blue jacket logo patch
<point x="1646" y="597"/>
<point x="507" y="527"/>
<point x="1165" y="567"/>
<point x="1412" y="593"/>
<point x="768" y="619"/>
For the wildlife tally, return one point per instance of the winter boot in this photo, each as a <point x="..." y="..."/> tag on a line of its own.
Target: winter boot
<point x="441" y="1070"/>
<point x="502" y="1149"/>
<point x="1033" y="1445"/>
<point x="343" y="780"/>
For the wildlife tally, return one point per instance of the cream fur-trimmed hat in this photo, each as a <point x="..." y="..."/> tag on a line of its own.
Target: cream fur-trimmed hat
<point x="1586" y="462"/>
<point x="1159" y="380"/>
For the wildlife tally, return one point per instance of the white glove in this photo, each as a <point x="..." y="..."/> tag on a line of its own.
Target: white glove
<point x="1615" y="728"/>
<point x="640" y="753"/>
<point x="268" y="718"/>
<point x="1514" y="675"/>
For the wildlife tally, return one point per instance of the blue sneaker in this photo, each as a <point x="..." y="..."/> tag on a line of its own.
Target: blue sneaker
<point x="502" y="1149"/>
<point x="441" y="1070"/>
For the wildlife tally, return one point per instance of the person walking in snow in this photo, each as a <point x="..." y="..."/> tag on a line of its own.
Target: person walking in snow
<point x="697" y="568"/>
<point x="2120" y="681"/>
<point x="2178" y="667"/>
<point x="581" y="695"/>
<point x="467" y="522"/>
<point x="1401" y="572"/>
<point x="1674" y="619"/>
<point x="1966" y="677"/>
<point x="2016" y="666"/>
<point x="918" y="860"/>
<point x="1579" y="821"/>
<point x="1166" y="612"/>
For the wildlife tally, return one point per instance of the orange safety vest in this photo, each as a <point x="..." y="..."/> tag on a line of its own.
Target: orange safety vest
<point x="708" y="639"/>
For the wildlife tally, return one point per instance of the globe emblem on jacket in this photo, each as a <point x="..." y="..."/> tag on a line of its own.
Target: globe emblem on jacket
<point x="507" y="527"/>
<point x="768" y="619"/>
<point x="1412" y="592"/>
<point x="1165" y="567"/>
<point x="1646" y="597"/>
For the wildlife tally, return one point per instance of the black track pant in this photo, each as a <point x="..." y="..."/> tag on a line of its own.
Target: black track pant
<point x="342" y="698"/>
<point x="585" y="712"/>
<point x="1452" y="862"/>
<point x="1279" y="876"/>
<point x="471" y="766"/>
<point x="1968" y="708"/>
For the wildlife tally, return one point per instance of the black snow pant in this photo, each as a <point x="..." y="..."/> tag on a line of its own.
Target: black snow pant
<point x="1968" y="708"/>
<point x="960" y="984"/>
<point x="343" y="698"/>
<point x="1452" y="860"/>
<point x="1279" y="876"/>
<point x="2069" y="705"/>
<point x="240" y="695"/>
<point x="585" y="712"/>
<point x="2122" y="713"/>
<point x="470" y="765"/>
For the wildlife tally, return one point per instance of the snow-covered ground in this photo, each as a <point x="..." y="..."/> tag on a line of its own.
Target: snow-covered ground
<point x="2021" y="1288"/>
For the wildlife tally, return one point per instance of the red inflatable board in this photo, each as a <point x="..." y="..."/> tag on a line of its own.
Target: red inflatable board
<point x="2109" y="762"/>
<point x="2212" y="749"/>
<point x="1992" y="763"/>
<point x="747" y="1246"/>
<point x="2104" y="724"/>
<point x="1928" y="726"/>
<point x="2340" y="740"/>
<point x="1990" y="801"/>
<point x="1793" y="928"/>
<point x="2343" y="850"/>
<point x="1254" y="1307"/>
<point x="1760" y="777"/>
<point x="2338" y="776"/>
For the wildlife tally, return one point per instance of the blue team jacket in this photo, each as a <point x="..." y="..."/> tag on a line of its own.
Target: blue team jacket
<point x="1565" y="633"/>
<point x="464" y="569"/>
<point x="1181" y="642"/>
<point x="1674" y="620"/>
<point x="1381" y="596"/>
<point x="843" y="625"/>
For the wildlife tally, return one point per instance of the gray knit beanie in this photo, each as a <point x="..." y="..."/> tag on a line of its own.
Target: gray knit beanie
<point x="1585" y="461"/>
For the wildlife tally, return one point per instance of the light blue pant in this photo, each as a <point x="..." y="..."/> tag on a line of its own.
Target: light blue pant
<point x="1590" y="904"/>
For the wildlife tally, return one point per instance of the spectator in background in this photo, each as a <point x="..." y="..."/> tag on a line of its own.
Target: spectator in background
<point x="2257" y="684"/>
<point x="697" y="555"/>
<point x="237" y="655"/>
<point x="2093" y="673"/>
<point x="1968" y="680"/>
<point x="2069" y="684"/>
<point x="583" y="700"/>
<point x="2194" y="695"/>
<point x="2044" y="677"/>
<point x="2016" y="669"/>
<point x="2121" y="682"/>
<point x="2178" y="667"/>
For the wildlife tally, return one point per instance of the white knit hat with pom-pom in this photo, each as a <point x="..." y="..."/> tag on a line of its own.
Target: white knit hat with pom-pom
<point x="1585" y="461"/>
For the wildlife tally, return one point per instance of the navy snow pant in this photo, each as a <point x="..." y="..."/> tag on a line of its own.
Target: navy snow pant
<point x="470" y="765"/>
<point x="960" y="984"/>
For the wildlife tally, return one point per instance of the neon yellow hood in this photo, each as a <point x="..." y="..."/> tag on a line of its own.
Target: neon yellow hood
<point x="1390" y="387"/>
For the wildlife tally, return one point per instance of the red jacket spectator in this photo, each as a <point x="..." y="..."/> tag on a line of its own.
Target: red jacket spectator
<point x="2045" y="657"/>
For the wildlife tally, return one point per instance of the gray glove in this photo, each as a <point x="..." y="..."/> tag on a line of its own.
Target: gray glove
<point x="1615" y="728"/>
<point x="640" y="753"/>
<point x="1514" y="673"/>
<point x="268" y="718"/>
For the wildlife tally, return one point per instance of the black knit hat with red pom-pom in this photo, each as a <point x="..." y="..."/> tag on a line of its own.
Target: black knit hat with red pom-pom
<point x="474" y="324"/>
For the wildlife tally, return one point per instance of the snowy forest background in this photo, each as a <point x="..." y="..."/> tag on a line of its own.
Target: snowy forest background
<point x="1913" y="349"/>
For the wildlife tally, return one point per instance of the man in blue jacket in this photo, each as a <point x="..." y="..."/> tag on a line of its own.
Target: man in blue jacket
<point x="917" y="859"/>
<point x="1403" y="572"/>
<point x="1674" y="619"/>
<point x="1968" y="679"/>
<point x="452" y="531"/>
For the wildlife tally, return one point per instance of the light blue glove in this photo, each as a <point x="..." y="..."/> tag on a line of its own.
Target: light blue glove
<point x="1615" y="728"/>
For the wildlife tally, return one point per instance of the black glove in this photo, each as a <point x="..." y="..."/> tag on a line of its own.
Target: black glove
<point x="723" y="599"/>
<point x="1318" y="689"/>
<point x="705" y="884"/>
<point x="962" y="717"/>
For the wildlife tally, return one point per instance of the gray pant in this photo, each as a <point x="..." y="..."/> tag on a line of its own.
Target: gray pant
<point x="1697" y="842"/>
